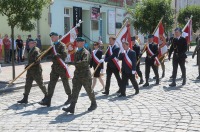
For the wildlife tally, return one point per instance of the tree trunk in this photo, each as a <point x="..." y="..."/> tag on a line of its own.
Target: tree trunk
<point x="13" y="56"/>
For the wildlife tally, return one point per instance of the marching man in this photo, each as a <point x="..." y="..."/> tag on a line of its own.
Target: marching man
<point x="128" y="68"/>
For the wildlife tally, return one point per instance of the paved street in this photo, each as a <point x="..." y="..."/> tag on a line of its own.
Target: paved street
<point x="156" y="108"/>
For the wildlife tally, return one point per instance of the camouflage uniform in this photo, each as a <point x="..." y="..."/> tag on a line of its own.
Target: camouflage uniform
<point x="82" y="75"/>
<point x="58" y="71"/>
<point x="35" y="72"/>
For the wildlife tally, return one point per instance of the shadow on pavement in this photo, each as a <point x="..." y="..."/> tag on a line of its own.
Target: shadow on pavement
<point x="40" y="111"/>
<point x="167" y="89"/>
<point x="67" y="117"/>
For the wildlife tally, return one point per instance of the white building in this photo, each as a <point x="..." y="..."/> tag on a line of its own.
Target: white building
<point x="62" y="15"/>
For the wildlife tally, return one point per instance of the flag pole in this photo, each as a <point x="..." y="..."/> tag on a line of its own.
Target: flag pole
<point x="125" y="23"/>
<point x="187" y="23"/>
<point x="144" y="49"/>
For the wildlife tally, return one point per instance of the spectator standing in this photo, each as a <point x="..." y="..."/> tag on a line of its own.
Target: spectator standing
<point x="27" y="41"/>
<point x="13" y="49"/>
<point x="19" y="45"/>
<point x="39" y="43"/>
<point x="6" y="43"/>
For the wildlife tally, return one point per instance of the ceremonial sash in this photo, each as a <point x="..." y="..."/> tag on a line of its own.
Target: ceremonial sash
<point x="61" y="62"/>
<point x="156" y="61"/>
<point x="94" y="57"/>
<point x="115" y="61"/>
<point x="128" y="61"/>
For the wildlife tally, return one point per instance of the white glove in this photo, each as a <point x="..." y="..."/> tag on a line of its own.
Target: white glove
<point x="133" y="72"/>
<point x="103" y="56"/>
<point x="101" y="61"/>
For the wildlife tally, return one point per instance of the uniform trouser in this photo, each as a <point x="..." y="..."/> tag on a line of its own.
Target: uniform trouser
<point x="78" y="82"/>
<point x="56" y="72"/>
<point x="125" y="78"/>
<point x="181" y="63"/>
<point x="109" y="72"/>
<point x="148" y="65"/>
<point x="37" y="76"/>
<point x="138" y="70"/>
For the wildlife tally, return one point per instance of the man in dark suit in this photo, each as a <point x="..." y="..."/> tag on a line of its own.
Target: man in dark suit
<point x="151" y="60"/>
<point x="136" y="48"/>
<point x="128" y="68"/>
<point x="179" y="47"/>
<point x="112" y="65"/>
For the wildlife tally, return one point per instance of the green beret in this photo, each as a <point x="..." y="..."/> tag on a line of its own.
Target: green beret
<point x="53" y="34"/>
<point x="80" y="39"/>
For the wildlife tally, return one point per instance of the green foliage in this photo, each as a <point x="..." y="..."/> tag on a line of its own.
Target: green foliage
<point x="21" y="12"/>
<point x="185" y="13"/>
<point x="147" y="14"/>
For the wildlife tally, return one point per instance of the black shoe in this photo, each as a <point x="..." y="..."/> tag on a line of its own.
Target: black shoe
<point x="106" y="93"/>
<point x="173" y="84"/>
<point x="141" y="81"/>
<point x="184" y="81"/>
<point x="154" y="77"/>
<point x="68" y="100"/>
<point x="70" y="109"/>
<point x="136" y="91"/>
<point x="46" y="102"/>
<point x="24" y="100"/>
<point x="163" y="75"/>
<point x="93" y="106"/>
<point x="122" y="95"/>
<point x="157" y="81"/>
<point x="118" y="91"/>
<point x="146" y="84"/>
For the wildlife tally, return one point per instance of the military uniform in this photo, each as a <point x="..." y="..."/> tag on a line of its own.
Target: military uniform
<point x="82" y="77"/>
<point x="197" y="50"/>
<point x="179" y="47"/>
<point x="34" y="73"/>
<point x="57" y="71"/>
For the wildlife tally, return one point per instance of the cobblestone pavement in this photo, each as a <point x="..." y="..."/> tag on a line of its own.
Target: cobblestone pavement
<point x="156" y="108"/>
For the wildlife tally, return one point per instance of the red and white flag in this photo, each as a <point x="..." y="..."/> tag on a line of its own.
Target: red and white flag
<point x="69" y="40"/>
<point x="159" y="38"/>
<point x="187" y="31"/>
<point x="124" y="36"/>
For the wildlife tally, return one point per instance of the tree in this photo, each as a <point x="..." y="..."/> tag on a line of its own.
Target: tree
<point x="19" y="14"/>
<point x="185" y="14"/>
<point x="147" y="14"/>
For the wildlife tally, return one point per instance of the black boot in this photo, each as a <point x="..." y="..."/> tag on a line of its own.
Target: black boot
<point x="147" y="83"/>
<point x="141" y="81"/>
<point x="173" y="84"/>
<point x="157" y="81"/>
<point x="24" y="100"/>
<point x="68" y="100"/>
<point x="184" y="81"/>
<point x="46" y="101"/>
<point x="163" y="74"/>
<point x="154" y="77"/>
<point x="93" y="106"/>
<point x="70" y="109"/>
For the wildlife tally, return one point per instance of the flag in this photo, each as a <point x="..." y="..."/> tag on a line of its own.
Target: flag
<point x="159" y="33"/>
<point x="69" y="41"/>
<point x="124" y="36"/>
<point x="159" y="38"/>
<point x="187" y="31"/>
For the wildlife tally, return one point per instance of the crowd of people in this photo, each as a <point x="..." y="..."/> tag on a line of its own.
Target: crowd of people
<point x="20" y="47"/>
